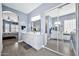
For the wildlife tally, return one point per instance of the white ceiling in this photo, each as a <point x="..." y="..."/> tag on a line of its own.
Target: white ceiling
<point x="23" y="7"/>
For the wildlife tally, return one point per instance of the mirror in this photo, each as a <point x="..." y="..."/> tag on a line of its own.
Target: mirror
<point x="36" y="24"/>
<point x="51" y="28"/>
<point x="61" y="29"/>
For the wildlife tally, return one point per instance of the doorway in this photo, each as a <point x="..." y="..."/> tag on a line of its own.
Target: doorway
<point x="10" y="30"/>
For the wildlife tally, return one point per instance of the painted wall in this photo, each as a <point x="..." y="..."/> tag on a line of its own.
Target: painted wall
<point x="22" y="19"/>
<point x="78" y="30"/>
<point x="77" y="35"/>
<point x="1" y="28"/>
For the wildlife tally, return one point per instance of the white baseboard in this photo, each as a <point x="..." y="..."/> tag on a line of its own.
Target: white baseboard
<point x="73" y="47"/>
<point x="20" y="41"/>
<point x="55" y="51"/>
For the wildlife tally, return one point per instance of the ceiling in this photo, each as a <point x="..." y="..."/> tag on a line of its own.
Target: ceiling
<point x="23" y="7"/>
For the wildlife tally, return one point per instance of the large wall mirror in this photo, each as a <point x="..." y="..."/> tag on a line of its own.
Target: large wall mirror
<point x="36" y="23"/>
<point x="61" y="29"/>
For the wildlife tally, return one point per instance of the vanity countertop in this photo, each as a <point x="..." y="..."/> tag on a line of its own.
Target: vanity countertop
<point x="32" y="33"/>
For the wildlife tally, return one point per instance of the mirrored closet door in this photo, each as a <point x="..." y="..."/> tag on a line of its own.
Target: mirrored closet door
<point x="51" y="18"/>
<point x="61" y="29"/>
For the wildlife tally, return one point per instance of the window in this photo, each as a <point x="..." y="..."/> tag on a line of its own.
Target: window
<point x="17" y="28"/>
<point x="7" y="26"/>
<point x="10" y="20"/>
<point x="69" y="26"/>
<point x="13" y="28"/>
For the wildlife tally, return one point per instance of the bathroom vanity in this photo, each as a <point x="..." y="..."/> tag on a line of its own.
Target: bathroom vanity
<point x="34" y="39"/>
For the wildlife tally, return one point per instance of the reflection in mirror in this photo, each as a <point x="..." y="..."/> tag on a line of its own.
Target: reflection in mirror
<point x="51" y="29"/>
<point x="36" y="24"/>
<point x="61" y="29"/>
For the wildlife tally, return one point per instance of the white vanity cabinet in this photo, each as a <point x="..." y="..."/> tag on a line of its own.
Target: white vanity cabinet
<point x="67" y="37"/>
<point x="59" y="35"/>
<point x="34" y="39"/>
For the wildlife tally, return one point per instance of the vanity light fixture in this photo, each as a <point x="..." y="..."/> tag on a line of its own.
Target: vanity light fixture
<point x="57" y="23"/>
<point x="35" y="18"/>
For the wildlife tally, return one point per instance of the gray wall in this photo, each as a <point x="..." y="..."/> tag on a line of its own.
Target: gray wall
<point x="78" y="29"/>
<point x="1" y="45"/>
<point x="21" y="16"/>
<point x="77" y="34"/>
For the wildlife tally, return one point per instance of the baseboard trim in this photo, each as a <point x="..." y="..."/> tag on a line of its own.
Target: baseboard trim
<point x="73" y="47"/>
<point x="54" y="51"/>
<point x="20" y="41"/>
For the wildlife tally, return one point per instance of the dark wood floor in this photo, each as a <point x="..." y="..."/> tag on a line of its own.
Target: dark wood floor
<point x="63" y="47"/>
<point x="12" y="48"/>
